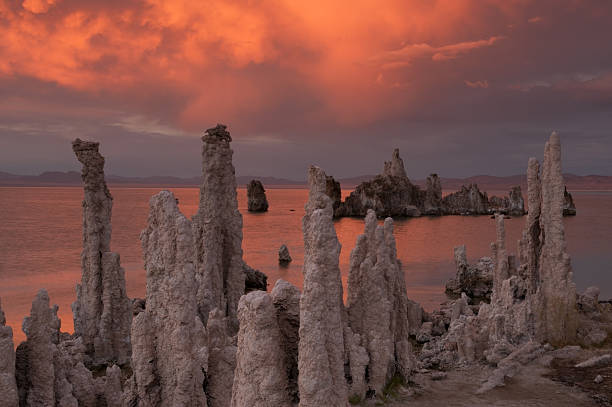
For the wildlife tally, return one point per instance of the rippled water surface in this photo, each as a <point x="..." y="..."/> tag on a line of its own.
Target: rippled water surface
<point x="40" y="243"/>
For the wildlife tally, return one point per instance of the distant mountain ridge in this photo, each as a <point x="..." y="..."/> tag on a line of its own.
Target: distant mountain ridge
<point x="485" y="182"/>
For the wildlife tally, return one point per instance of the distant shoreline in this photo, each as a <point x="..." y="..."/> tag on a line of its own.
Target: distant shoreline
<point x="485" y="182"/>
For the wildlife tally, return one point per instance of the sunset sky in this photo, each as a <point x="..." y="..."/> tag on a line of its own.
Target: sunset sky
<point x="462" y="87"/>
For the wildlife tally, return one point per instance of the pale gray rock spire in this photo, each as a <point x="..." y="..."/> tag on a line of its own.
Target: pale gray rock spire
<point x="217" y="230"/>
<point x="8" y="385"/>
<point x="377" y="303"/>
<point x="321" y="347"/>
<point x="286" y="299"/>
<point x="260" y="379"/>
<point x="530" y="244"/>
<point x="168" y="338"/>
<point x="221" y="360"/>
<point x="49" y="371"/>
<point x="102" y="310"/>
<point x="42" y="332"/>
<point x="558" y="291"/>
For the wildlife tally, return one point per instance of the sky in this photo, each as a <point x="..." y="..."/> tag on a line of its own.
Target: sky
<point x="461" y="87"/>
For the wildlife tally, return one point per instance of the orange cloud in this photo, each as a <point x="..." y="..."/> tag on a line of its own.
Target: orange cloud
<point x="409" y="53"/>
<point x="477" y="84"/>
<point x="230" y="59"/>
<point x="38" y="6"/>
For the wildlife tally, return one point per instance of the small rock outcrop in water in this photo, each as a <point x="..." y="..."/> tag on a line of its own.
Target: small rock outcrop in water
<point x="8" y="385"/>
<point x="102" y="311"/>
<point x="516" y="203"/>
<point x="260" y="379"/>
<point x="569" y="209"/>
<point x="321" y="347"/>
<point x="475" y="281"/>
<point x="169" y="340"/>
<point x="433" y="196"/>
<point x="218" y="231"/>
<point x="388" y="194"/>
<point x="284" y="257"/>
<point x="377" y="304"/>
<point x="256" y="197"/>
<point x="512" y="205"/>
<point x="467" y="201"/>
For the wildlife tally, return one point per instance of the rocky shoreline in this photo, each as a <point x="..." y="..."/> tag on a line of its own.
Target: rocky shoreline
<point x="209" y="334"/>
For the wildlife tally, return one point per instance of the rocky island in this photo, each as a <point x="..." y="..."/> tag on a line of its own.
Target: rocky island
<point x="205" y="336"/>
<point x="256" y="197"/>
<point x="392" y="194"/>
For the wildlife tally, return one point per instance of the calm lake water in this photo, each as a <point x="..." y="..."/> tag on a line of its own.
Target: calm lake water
<point x="40" y="243"/>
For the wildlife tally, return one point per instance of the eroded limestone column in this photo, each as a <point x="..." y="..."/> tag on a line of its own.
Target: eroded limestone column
<point x="169" y="340"/>
<point x="102" y="310"/>
<point x="218" y="231"/>
<point x="378" y="304"/>
<point x="260" y="378"/>
<point x="557" y="291"/>
<point x="8" y="385"/>
<point x="321" y="349"/>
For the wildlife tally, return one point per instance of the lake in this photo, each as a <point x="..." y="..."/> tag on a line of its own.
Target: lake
<point x="40" y="243"/>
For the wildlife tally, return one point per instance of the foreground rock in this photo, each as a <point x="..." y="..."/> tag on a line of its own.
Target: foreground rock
<point x="321" y="346"/>
<point x="169" y="340"/>
<point x="286" y="299"/>
<point x="378" y="305"/>
<point x="50" y="366"/>
<point x="254" y="279"/>
<point x="217" y="228"/>
<point x="558" y="291"/>
<point x="533" y="299"/>
<point x="8" y="385"/>
<point x="256" y="197"/>
<point x="476" y="280"/>
<point x="260" y="379"/>
<point x="102" y="311"/>
<point x="221" y="360"/>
